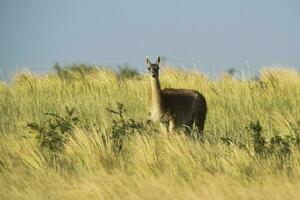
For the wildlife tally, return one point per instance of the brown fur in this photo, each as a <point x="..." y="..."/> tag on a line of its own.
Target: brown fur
<point x="178" y="107"/>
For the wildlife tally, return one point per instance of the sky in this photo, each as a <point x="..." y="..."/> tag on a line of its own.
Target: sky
<point x="210" y="35"/>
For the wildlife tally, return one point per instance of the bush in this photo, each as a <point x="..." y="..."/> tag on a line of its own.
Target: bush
<point x="123" y="128"/>
<point x="54" y="133"/>
<point x="279" y="145"/>
<point x="124" y="72"/>
<point x="259" y="142"/>
<point x="74" y="71"/>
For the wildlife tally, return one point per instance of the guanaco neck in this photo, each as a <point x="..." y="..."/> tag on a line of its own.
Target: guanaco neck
<point x="155" y="98"/>
<point x="155" y="90"/>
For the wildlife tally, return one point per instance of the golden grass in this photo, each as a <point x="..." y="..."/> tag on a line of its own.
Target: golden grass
<point x="151" y="166"/>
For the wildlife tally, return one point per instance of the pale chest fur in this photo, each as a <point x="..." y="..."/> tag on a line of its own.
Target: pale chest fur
<point x="155" y="112"/>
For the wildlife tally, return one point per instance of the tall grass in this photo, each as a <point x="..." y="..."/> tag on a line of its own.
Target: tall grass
<point x="153" y="164"/>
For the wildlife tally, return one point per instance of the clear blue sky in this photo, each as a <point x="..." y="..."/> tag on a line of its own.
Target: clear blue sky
<point x="222" y="34"/>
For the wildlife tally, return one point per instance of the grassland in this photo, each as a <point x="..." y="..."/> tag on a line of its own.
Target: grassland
<point x="152" y="163"/>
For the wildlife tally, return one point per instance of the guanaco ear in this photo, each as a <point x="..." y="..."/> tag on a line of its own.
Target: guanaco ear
<point x="148" y="60"/>
<point x="158" y="60"/>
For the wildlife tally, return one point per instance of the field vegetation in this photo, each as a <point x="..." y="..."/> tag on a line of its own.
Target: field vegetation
<point x="82" y="132"/>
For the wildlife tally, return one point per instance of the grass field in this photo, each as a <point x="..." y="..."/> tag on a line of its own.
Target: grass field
<point x="99" y="155"/>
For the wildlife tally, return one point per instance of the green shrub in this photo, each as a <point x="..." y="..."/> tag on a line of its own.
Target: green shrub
<point x="74" y="71"/>
<point x="124" y="72"/>
<point x="279" y="145"/>
<point x="259" y="142"/>
<point x="122" y="128"/>
<point x="54" y="133"/>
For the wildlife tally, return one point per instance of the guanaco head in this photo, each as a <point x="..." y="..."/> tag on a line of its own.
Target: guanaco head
<point x="153" y="67"/>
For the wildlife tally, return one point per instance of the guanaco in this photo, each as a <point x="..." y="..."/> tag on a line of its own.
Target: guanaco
<point x="177" y="107"/>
